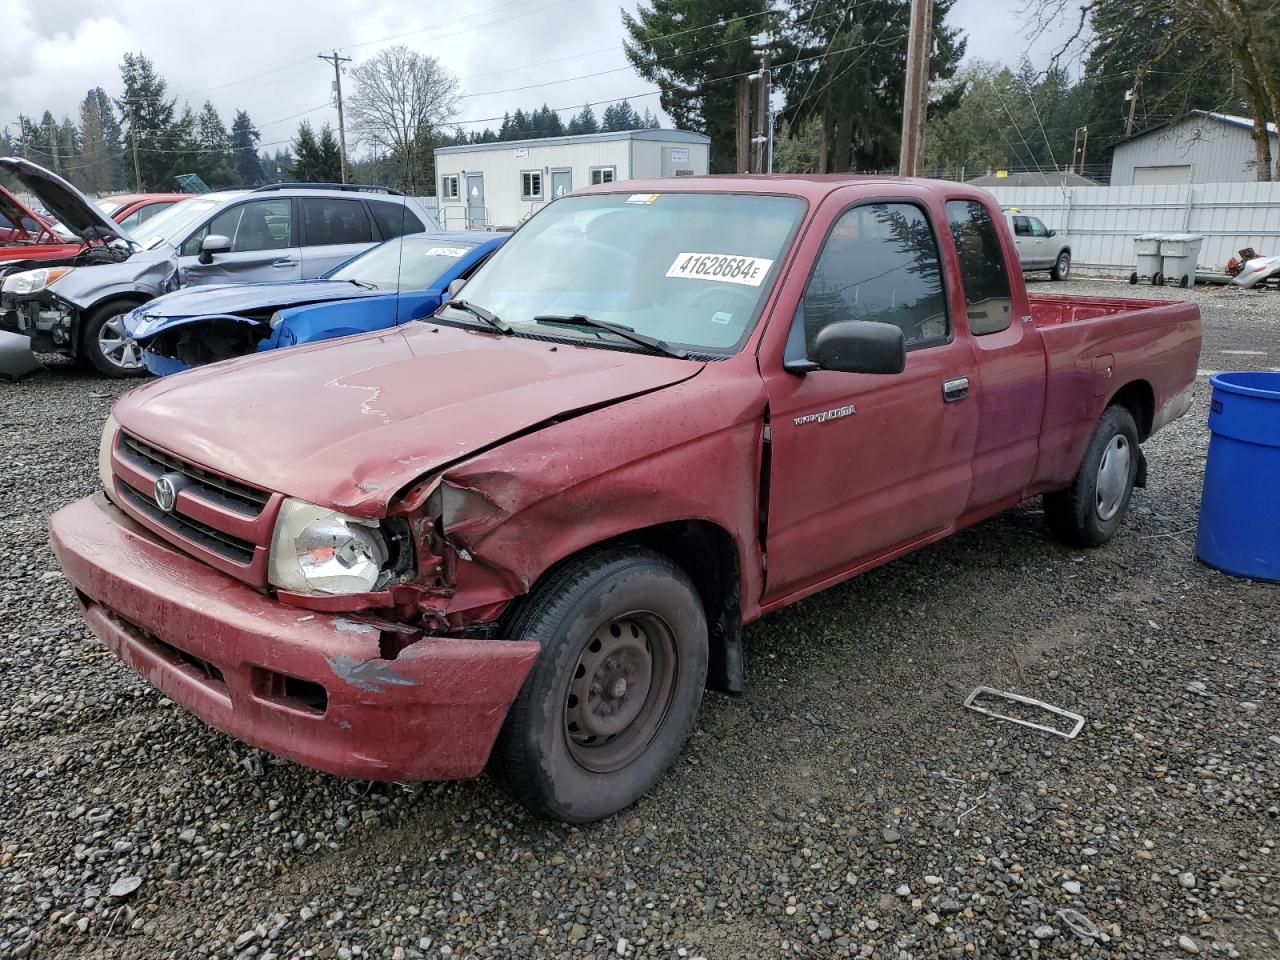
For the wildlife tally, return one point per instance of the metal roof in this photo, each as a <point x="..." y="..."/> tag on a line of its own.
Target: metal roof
<point x="666" y="136"/>
<point x="1228" y="118"/>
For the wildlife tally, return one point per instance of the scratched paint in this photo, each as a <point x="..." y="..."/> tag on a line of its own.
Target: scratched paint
<point x="368" y="675"/>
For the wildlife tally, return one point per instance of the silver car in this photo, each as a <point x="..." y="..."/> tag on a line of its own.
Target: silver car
<point x="1039" y="248"/>
<point x="277" y="232"/>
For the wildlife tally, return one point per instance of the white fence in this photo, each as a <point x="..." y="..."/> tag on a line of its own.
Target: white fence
<point x="1101" y="222"/>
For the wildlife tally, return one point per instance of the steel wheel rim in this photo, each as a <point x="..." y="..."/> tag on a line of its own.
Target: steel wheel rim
<point x="620" y="691"/>
<point x="1113" y="476"/>
<point x="117" y="346"/>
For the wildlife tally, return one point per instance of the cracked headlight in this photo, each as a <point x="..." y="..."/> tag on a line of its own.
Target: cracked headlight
<point x="33" y="281"/>
<point x="105" y="445"/>
<point x="318" y="550"/>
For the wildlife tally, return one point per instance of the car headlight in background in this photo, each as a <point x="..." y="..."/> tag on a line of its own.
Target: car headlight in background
<point x="105" y="446"/>
<point x="318" y="550"/>
<point x="33" y="281"/>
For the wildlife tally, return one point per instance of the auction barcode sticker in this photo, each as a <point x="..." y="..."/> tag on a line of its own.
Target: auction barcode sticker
<point x="454" y="252"/>
<point x="726" y="268"/>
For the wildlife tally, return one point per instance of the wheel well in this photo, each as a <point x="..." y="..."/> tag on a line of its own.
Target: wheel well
<point x="1140" y="400"/>
<point x="709" y="555"/>
<point x="135" y="300"/>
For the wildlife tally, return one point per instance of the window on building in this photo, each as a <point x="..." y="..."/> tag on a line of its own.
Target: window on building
<point x="879" y="263"/>
<point x="982" y="266"/>
<point x="449" y="187"/>
<point x="331" y="221"/>
<point x="601" y="175"/>
<point x="531" y="185"/>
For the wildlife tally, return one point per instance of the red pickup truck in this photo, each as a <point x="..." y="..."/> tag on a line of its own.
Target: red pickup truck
<point x="527" y="531"/>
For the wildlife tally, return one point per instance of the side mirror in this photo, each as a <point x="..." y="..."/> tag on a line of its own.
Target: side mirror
<point x="214" y="243"/>
<point x="860" y="346"/>
<point x="1053" y="233"/>
<point x="455" y="288"/>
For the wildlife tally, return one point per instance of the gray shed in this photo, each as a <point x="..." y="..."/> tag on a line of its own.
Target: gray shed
<point x="1202" y="147"/>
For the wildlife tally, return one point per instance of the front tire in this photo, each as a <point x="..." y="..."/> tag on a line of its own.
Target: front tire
<point x="106" y="346"/>
<point x="613" y="696"/>
<point x="1061" y="267"/>
<point x="1090" y="511"/>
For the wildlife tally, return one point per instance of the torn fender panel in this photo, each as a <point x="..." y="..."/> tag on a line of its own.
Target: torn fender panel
<point x="326" y="321"/>
<point x="690" y="452"/>
<point x="350" y="423"/>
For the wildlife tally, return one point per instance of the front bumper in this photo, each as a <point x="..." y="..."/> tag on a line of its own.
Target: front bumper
<point x="42" y="316"/>
<point x="308" y="687"/>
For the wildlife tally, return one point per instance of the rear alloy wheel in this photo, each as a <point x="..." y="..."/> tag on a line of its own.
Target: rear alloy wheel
<point x="106" y="344"/>
<point x="613" y="695"/>
<point x="1062" y="267"/>
<point x="1089" y="512"/>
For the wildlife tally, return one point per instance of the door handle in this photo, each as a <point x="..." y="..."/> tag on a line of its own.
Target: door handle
<point x="956" y="389"/>
<point x="284" y="263"/>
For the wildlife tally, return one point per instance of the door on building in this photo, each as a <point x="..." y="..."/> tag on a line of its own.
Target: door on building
<point x="561" y="182"/>
<point x="477" y="215"/>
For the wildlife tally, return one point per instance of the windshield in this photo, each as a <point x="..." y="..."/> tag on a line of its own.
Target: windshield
<point x="691" y="269"/>
<point x="165" y="226"/>
<point x="108" y="206"/>
<point x="409" y="263"/>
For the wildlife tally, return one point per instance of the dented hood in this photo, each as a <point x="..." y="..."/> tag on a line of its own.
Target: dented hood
<point x="348" y="423"/>
<point x="224" y="298"/>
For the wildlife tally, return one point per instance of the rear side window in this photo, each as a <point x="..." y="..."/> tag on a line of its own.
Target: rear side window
<point x="879" y="263"/>
<point x="982" y="267"/>
<point x="397" y="219"/>
<point x="330" y="221"/>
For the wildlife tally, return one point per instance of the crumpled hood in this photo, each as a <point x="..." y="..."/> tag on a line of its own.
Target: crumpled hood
<point x="201" y="301"/>
<point x="64" y="201"/>
<point x="349" y="423"/>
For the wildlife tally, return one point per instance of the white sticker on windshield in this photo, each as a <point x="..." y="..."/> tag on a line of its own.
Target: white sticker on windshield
<point x="749" y="271"/>
<point x="446" y="252"/>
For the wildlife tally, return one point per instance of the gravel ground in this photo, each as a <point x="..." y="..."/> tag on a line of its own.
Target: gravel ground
<point x="845" y="806"/>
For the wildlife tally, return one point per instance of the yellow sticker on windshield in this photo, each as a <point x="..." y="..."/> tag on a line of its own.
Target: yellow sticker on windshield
<point x="725" y="268"/>
<point x="643" y="197"/>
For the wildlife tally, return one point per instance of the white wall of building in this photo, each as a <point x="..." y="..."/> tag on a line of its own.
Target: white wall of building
<point x="1197" y="149"/>
<point x="492" y="178"/>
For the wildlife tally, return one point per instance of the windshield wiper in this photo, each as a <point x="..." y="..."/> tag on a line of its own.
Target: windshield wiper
<point x="491" y="319"/>
<point x="618" y="329"/>
<point x="362" y="284"/>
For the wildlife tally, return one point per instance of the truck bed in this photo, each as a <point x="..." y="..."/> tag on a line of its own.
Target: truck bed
<point x="1097" y="347"/>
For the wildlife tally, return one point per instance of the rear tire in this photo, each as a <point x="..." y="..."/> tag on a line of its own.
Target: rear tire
<point x="1090" y="511"/>
<point x="614" y="694"/>
<point x="1061" y="267"/>
<point x="106" y="347"/>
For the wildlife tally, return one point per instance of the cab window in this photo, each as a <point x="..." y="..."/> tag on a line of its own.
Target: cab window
<point x="252" y="226"/>
<point x="395" y="219"/>
<point x="331" y="221"/>
<point x="982" y="267"/>
<point x="880" y="263"/>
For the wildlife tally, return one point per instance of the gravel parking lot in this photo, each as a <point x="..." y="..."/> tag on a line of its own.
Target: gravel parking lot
<point x="845" y="806"/>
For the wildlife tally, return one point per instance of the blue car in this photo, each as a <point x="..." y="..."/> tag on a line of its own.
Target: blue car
<point x="397" y="281"/>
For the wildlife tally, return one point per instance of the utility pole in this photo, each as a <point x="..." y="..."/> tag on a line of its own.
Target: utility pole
<point x="743" y="131"/>
<point x="337" y="62"/>
<point x="915" y="97"/>
<point x="133" y="135"/>
<point x="1132" y="96"/>
<point x="763" y="120"/>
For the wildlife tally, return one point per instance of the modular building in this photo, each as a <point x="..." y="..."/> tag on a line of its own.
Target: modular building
<point x="1202" y="147"/>
<point x="499" y="185"/>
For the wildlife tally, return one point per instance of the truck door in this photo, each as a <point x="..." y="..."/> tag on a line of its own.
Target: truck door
<point x="864" y="464"/>
<point x="1010" y="358"/>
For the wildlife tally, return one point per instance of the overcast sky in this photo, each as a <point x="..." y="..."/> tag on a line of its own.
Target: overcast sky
<point x="261" y="56"/>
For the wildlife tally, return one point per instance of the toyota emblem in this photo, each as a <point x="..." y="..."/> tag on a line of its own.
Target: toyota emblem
<point x="166" y="493"/>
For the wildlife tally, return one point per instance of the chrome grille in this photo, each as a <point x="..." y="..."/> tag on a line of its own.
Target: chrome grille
<point x="233" y="548"/>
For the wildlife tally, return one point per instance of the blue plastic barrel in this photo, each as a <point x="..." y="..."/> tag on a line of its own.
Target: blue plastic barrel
<point x="1240" y="510"/>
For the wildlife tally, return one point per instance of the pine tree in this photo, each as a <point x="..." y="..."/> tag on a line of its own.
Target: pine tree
<point x="69" y="147"/>
<point x="153" y="119"/>
<point x="585" y="122"/>
<point x="112" y="136"/>
<point x="215" y="164"/>
<point x="306" y="167"/>
<point x="329" y="168"/>
<point x="244" y="147"/>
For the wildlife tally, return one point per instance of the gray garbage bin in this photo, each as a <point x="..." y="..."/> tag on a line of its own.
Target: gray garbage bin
<point x="1180" y="253"/>
<point x="1146" y="250"/>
